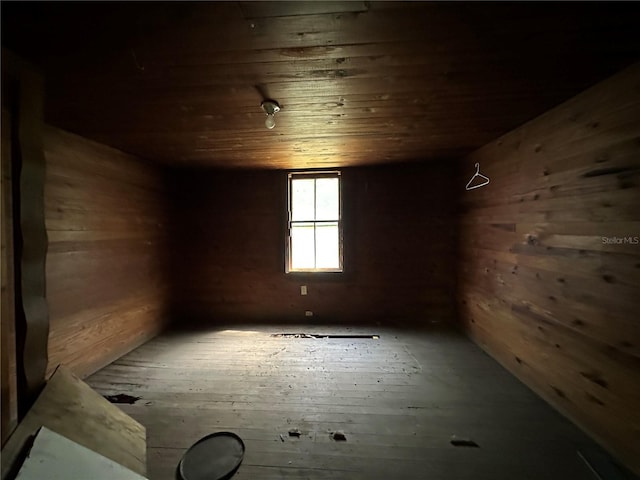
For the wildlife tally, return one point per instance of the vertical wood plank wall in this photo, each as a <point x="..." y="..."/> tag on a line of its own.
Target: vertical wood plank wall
<point x="399" y="249"/>
<point x="543" y="285"/>
<point x="9" y="399"/>
<point x="106" y="275"/>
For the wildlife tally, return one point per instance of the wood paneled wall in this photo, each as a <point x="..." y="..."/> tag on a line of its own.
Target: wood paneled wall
<point x="549" y="270"/>
<point x="399" y="248"/>
<point x="9" y="397"/>
<point x="106" y="269"/>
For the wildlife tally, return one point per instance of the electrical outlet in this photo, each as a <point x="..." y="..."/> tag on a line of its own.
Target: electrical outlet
<point x="303" y="290"/>
<point x="308" y="313"/>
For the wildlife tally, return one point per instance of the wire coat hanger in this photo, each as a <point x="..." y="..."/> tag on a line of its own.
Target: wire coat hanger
<point x="477" y="174"/>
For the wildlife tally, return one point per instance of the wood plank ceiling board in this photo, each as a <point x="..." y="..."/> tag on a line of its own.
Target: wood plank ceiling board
<point x="359" y="82"/>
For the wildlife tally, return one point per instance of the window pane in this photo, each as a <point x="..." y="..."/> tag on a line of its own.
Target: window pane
<point x="327" y="245"/>
<point x="302" y="199"/>
<point x="327" y="199"/>
<point x="302" y="248"/>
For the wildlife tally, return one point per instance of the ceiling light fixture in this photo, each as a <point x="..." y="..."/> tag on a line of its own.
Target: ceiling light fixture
<point x="270" y="107"/>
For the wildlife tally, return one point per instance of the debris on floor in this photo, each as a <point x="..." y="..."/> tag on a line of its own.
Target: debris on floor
<point x="294" y="432"/>
<point x="339" y="436"/>
<point x="294" y="335"/>
<point x="463" y="442"/>
<point x="317" y="335"/>
<point x="122" y="398"/>
<point x="282" y="437"/>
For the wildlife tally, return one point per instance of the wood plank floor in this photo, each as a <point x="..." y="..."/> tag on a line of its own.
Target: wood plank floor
<point x="398" y="399"/>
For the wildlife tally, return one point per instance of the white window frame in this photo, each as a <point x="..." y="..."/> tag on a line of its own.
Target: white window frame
<point x="290" y="222"/>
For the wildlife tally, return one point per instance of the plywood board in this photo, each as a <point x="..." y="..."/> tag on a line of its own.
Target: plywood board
<point x="70" y="407"/>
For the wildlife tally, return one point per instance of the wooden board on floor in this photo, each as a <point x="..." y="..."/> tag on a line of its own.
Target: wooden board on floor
<point x="71" y="408"/>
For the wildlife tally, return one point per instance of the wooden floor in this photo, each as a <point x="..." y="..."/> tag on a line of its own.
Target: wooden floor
<point x="398" y="399"/>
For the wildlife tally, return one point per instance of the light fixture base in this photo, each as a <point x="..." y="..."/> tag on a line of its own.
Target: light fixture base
<point x="270" y="107"/>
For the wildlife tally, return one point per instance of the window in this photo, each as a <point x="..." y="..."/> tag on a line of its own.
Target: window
<point x="314" y="240"/>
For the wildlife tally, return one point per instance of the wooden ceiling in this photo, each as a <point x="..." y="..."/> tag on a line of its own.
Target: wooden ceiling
<point x="358" y="82"/>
